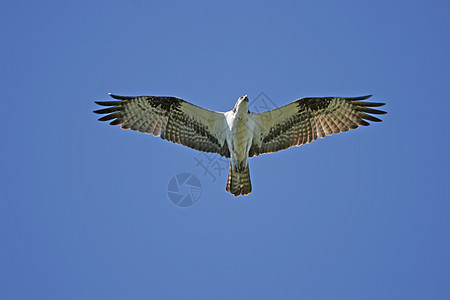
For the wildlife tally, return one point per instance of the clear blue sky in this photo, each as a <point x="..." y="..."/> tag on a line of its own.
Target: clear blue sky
<point x="84" y="212"/>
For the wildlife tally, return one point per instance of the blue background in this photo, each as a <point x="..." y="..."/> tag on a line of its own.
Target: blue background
<point x="84" y="212"/>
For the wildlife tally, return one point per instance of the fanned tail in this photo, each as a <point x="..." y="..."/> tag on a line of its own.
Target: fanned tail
<point x="239" y="182"/>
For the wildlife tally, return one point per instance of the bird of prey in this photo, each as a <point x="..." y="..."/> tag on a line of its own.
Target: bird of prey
<point x="239" y="134"/>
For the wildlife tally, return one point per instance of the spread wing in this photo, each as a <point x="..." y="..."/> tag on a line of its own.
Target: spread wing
<point x="306" y="119"/>
<point x="171" y="118"/>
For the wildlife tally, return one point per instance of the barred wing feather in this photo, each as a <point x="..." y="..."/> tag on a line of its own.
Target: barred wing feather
<point x="306" y="119"/>
<point x="171" y="118"/>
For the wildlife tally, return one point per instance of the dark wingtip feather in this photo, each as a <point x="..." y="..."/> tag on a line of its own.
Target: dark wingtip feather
<point x="371" y="110"/>
<point x="363" y="123"/>
<point x="369" y="104"/>
<point x="107" y="110"/>
<point x="116" y="122"/>
<point x="108" y="103"/>
<point x="369" y="117"/>
<point x="110" y="116"/>
<point x="104" y="118"/>
<point x="359" y="98"/>
<point x="119" y="97"/>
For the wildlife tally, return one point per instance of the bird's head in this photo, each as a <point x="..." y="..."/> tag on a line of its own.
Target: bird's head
<point x="241" y="104"/>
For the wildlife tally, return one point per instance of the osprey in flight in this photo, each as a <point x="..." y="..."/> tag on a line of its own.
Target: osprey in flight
<point x="239" y="134"/>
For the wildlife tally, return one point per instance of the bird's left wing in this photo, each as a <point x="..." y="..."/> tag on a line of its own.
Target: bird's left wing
<point x="171" y="118"/>
<point x="306" y="119"/>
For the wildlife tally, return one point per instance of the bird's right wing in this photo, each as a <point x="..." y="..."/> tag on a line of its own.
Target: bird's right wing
<point x="306" y="119"/>
<point x="171" y="118"/>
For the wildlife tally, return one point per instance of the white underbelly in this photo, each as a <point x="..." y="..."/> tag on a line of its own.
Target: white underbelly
<point x="240" y="139"/>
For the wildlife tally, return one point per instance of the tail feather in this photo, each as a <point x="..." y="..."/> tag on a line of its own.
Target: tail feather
<point x="239" y="182"/>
